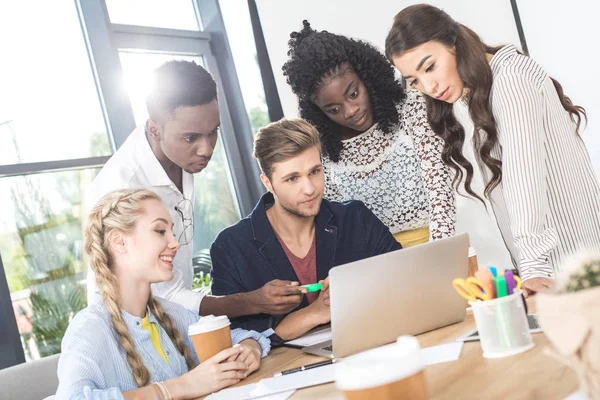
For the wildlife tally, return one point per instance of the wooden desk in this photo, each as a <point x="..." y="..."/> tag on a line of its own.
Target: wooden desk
<point x="528" y="376"/>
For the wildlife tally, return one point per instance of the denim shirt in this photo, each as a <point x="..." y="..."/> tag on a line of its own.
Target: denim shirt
<point x="93" y="365"/>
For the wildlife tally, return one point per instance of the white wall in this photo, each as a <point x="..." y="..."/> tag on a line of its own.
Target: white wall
<point x="370" y="21"/>
<point x="563" y="37"/>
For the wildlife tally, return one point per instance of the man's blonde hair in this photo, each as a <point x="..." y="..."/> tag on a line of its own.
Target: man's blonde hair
<point x="282" y="140"/>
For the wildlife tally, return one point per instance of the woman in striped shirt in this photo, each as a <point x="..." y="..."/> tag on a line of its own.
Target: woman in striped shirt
<point x="132" y="345"/>
<point x="539" y="178"/>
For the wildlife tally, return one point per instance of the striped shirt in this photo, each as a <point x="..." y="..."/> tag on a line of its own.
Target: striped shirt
<point x="93" y="365"/>
<point x="548" y="204"/>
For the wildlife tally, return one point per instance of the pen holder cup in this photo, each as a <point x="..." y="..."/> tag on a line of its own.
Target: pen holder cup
<point x="502" y="325"/>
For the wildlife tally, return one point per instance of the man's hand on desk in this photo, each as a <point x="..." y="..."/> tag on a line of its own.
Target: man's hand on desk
<point x="319" y="309"/>
<point x="301" y="321"/>
<point x="276" y="297"/>
<point x="534" y="285"/>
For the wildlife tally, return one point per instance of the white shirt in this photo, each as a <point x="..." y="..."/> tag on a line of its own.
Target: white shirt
<point x="134" y="166"/>
<point x="548" y="204"/>
<point x="472" y="216"/>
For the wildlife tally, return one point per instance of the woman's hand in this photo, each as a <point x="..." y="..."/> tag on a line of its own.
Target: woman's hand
<point x="210" y="376"/>
<point x="250" y="355"/>
<point x="534" y="285"/>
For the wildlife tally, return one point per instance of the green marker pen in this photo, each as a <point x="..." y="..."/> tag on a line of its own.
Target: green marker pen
<point x="500" y="282"/>
<point x="313" y="287"/>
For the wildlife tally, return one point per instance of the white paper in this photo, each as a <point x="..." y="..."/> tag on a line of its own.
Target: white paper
<point x="236" y="393"/>
<point x="435" y="354"/>
<point x="442" y="353"/>
<point x="277" y="396"/>
<point x="248" y="392"/>
<point x="297" y="380"/>
<point x="313" y="338"/>
<point x="326" y="374"/>
<point x="577" y="396"/>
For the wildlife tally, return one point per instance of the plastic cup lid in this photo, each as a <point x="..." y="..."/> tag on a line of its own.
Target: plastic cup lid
<point x="208" y="324"/>
<point x="380" y="366"/>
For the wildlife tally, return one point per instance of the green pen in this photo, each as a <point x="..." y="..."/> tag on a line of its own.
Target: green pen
<point x="500" y="282"/>
<point x="313" y="287"/>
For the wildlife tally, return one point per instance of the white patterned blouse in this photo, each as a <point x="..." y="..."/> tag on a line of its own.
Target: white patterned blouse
<point x="400" y="176"/>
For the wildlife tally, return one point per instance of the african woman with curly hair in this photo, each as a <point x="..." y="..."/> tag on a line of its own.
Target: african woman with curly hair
<point x="377" y="144"/>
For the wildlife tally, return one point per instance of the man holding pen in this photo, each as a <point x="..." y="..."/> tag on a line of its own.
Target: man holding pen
<point x="293" y="234"/>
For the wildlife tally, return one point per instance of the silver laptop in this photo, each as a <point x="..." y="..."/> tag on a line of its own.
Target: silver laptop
<point x="405" y="292"/>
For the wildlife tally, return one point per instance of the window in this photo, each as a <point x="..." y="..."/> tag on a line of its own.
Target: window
<point x="65" y="98"/>
<point x="239" y="32"/>
<point x="49" y="106"/>
<point x="41" y="243"/>
<point x="51" y="118"/>
<point x="174" y="14"/>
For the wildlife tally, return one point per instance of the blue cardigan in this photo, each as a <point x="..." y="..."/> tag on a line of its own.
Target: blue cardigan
<point x="247" y="255"/>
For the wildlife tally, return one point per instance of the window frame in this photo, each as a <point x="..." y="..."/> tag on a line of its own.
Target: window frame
<point x="103" y="40"/>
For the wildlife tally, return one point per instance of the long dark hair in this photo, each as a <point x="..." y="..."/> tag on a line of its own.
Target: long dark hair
<point x="315" y="56"/>
<point x="422" y="23"/>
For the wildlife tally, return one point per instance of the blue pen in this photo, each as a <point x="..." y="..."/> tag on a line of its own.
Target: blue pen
<point x="493" y="270"/>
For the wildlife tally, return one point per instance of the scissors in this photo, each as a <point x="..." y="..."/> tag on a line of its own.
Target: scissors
<point x="486" y="277"/>
<point x="472" y="289"/>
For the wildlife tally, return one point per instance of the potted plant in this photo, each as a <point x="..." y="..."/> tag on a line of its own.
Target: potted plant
<point x="570" y="316"/>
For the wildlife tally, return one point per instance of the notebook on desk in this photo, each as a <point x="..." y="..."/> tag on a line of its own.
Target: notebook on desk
<point x="311" y="338"/>
<point x="405" y="292"/>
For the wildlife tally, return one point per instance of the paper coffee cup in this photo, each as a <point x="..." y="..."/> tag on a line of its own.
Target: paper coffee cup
<point x="210" y="336"/>
<point x="394" y="371"/>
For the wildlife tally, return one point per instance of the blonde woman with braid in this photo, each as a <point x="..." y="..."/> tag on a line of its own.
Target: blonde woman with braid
<point x="132" y="345"/>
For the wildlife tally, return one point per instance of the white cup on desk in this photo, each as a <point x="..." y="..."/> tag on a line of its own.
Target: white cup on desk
<point x="390" y="372"/>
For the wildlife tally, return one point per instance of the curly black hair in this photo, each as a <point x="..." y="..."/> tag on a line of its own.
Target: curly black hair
<point x="314" y="56"/>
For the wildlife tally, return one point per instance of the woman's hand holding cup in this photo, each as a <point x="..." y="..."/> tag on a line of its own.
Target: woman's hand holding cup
<point x="250" y="355"/>
<point x="212" y="375"/>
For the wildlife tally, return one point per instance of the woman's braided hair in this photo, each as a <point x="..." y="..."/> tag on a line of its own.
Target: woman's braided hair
<point x="120" y="210"/>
